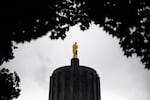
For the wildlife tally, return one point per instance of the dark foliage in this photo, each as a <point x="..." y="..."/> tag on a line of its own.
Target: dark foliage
<point x="9" y="85"/>
<point x="128" y="20"/>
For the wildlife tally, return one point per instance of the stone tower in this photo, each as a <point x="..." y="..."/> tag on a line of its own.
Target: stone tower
<point x="74" y="82"/>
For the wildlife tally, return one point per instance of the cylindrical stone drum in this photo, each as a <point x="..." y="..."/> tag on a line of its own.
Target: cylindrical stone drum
<point x="74" y="83"/>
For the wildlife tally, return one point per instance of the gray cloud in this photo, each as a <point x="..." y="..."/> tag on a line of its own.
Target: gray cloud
<point x="121" y="78"/>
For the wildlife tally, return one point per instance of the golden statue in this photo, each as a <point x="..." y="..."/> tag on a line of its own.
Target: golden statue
<point x="75" y="50"/>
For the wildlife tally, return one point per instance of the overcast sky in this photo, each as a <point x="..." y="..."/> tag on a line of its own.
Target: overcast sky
<point x="120" y="78"/>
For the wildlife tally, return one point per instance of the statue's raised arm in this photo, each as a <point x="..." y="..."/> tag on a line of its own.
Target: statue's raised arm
<point x="75" y="50"/>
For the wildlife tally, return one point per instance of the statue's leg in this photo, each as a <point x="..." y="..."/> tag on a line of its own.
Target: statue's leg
<point x="76" y="53"/>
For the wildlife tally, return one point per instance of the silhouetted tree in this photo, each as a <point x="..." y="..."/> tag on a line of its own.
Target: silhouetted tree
<point x="9" y="85"/>
<point x="128" y="20"/>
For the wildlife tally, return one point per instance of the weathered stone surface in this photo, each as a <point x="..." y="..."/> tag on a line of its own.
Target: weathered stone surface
<point x="74" y="82"/>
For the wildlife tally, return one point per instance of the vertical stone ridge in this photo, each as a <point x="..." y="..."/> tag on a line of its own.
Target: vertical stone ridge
<point x="95" y="88"/>
<point x="50" y="88"/>
<point x="54" y="88"/>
